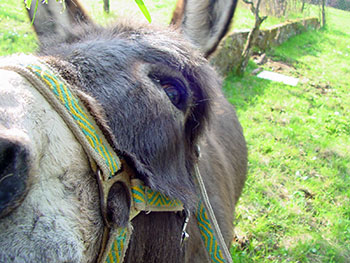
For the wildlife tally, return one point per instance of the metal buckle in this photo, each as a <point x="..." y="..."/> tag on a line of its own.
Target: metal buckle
<point x="124" y="175"/>
<point x="104" y="184"/>
<point x="198" y="151"/>
<point x="184" y="234"/>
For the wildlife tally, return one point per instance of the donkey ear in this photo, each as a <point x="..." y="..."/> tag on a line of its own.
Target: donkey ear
<point x="53" y="19"/>
<point x="204" y="22"/>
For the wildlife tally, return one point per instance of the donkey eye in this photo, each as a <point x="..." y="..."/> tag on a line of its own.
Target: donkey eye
<point x="173" y="94"/>
<point x="176" y="94"/>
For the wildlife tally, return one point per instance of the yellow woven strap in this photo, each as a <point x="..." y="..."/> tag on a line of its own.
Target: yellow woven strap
<point x="205" y="228"/>
<point x="117" y="245"/>
<point x="60" y="96"/>
<point x="145" y="199"/>
<point x="80" y="122"/>
<point x="209" y="227"/>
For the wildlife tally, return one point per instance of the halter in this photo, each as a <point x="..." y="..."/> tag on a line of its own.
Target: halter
<point x="110" y="169"/>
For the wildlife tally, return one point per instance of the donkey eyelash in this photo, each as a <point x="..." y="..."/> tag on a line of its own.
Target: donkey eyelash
<point x="176" y="93"/>
<point x="174" y="88"/>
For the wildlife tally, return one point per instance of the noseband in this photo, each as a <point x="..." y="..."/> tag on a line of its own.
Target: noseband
<point x="110" y="169"/>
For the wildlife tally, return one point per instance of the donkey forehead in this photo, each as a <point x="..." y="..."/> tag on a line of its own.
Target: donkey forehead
<point x="121" y="44"/>
<point x="114" y="61"/>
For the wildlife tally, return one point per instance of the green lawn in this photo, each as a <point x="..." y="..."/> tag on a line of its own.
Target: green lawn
<point x="16" y="34"/>
<point x="244" y="19"/>
<point x="296" y="203"/>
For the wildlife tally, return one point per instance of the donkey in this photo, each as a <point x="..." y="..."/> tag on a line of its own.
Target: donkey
<point x="155" y="98"/>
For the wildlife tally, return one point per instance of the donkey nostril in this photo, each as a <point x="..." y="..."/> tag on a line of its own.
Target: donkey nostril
<point x="13" y="175"/>
<point x="6" y="155"/>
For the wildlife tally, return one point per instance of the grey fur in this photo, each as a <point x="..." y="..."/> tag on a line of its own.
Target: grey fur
<point x="204" y="22"/>
<point x="122" y="69"/>
<point x="114" y="66"/>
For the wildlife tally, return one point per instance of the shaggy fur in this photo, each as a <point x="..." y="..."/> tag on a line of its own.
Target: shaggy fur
<point x="121" y="74"/>
<point x="46" y="17"/>
<point x="57" y="220"/>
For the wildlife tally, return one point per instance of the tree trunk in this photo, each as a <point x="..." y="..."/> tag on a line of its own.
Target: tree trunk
<point x="246" y="54"/>
<point x="302" y="6"/>
<point x="323" y="13"/>
<point x="106" y="5"/>
<point x="242" y="65"/>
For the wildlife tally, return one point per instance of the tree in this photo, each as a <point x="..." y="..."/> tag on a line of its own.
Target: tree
<point x="242" y="65"/>
<point x="106" y="5"/>
<point x="323" y="13"/>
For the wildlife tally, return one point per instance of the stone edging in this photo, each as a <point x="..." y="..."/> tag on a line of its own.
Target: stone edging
<point x="231" y="47"/>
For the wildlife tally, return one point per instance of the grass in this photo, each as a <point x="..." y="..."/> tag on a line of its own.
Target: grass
<point x="244" y="19"/>
<point x="16" y="34"/>
<point x="160" y="10"/>
<point x="295" y="206"/>
<point x="296" y="203"/>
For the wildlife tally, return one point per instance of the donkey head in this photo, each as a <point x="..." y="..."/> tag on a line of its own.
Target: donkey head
<point x="150" y="91"/>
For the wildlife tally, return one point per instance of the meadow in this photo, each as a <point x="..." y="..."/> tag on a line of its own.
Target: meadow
<point x="296" y="203"/>
<point x="295" y="206"/>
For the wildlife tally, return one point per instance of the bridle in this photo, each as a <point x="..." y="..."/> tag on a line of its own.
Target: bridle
<point x="110" y="169"/>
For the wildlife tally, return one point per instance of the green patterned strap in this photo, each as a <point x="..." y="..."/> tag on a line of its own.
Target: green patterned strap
<point x="145" y="199"/>
<point x="209" y="227"/>
<point x="60" y="96"/>
<point x="58" y="93"/>
<point x="117" y="246"/>
<point x="208" y="236"/>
